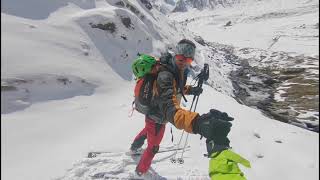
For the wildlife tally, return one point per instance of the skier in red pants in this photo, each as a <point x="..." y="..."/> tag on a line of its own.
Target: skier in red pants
<point x="154" y="132"/>
<point x="170" y="87"/>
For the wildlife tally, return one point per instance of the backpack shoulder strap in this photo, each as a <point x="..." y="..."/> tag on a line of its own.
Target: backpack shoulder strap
<point x="165" y="67"/>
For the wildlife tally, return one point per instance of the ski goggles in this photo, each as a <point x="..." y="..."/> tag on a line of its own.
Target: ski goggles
<point x="182" y="58"/>
<point x="186" y="49"/>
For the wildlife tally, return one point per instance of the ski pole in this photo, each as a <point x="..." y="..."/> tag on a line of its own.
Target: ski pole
<point x="203" y="76"/>
<point x="173" y="159"/>
<point x="180" y="160"/>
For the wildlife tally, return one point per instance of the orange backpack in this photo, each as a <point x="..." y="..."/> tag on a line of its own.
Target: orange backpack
<point x="145" y="89"/>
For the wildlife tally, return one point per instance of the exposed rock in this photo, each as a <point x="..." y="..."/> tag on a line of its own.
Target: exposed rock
<point x="123" y="37"/>
<point x="199" y="40"/>
<point x="198" y="4"/>
<point x="181" y="6"/>
<point x="245" y="87"/>
<point x="17" y="81"/>
<point x="202" y="4"/>
<point x="316" y="129"/>
<point x="293" y="70"/>
<point x="282" y="112"/>
<point x="257" y="135"/>
<point x="286" y="77"/>
<point x="292" y="113"/>
<point x="269" y="81"/>
<point x="147" y="4"/>
<point x="126" y="21"/>
<point x="299" y="124"/>
<point x="262" y="57"/>
<point x="228" y="23"/>
<point x="278" y="141"/>
<point x="8" y="88"/>
<point x="110" y="26"/>
<point x="257" y="85"/>
<point x="64" y="80"/>
<point x="120" y="3"/>
<point x="259" y="156"/>
<point x="280" y="117"/>
<point x="132" y="8"/>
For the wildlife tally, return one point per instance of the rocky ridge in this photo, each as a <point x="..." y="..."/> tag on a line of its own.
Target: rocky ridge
<point x="283" y="86"/>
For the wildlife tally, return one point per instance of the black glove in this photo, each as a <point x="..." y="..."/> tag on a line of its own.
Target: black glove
<point x="214" y="126"/>
<point x="195" y="91"/>
<point x="213" y="147"/>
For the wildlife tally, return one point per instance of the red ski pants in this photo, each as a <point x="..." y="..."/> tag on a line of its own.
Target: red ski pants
<point x="154" y="133"/>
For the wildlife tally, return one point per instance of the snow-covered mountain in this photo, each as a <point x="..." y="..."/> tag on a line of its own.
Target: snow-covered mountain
<point x="127" y="27"/>
<point x="67" y="89"/>
<point x="184" y="5"/>
<point x="164" y="6"/>
<point x="277" y="44"/>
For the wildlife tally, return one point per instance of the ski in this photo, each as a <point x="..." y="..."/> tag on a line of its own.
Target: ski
<point x="95" y="153"/>
<point x="103" y="175"/>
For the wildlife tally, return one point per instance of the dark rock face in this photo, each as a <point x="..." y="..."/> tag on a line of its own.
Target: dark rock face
<point x="120" y="3"/>
<point x="126" y="21"/>
<point x="293" y="71"/>
<point x="123" y="37"/>
<point x="109" y="26"/>
<point x="132" y="8"/>
<point x="279" y="87"/>
<point x="299" y="94"/>
<point x="199" y="40"/>
<point x="147" y="4"/>
<point x="299" y="90"/>
<point x="181" y="6"/>
<point x="198" y="4"/>
<point x="171" y="2"/>
<point x="228" y="23"/>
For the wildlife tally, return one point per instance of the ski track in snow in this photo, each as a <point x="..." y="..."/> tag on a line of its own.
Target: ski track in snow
<point x="115" y="165"/>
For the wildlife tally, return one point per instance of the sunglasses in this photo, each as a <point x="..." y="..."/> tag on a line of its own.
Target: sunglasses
<point x="181" y="58"/>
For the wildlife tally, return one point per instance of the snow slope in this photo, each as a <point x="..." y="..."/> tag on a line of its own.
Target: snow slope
<point x="38" y="9"/>
<point x="285" y="25"/>
<point x="69" y="92"/>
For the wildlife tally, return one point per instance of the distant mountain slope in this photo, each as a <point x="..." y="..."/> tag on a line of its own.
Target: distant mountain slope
<point x="39" y="9"/>
<point x="94" y="39"/>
